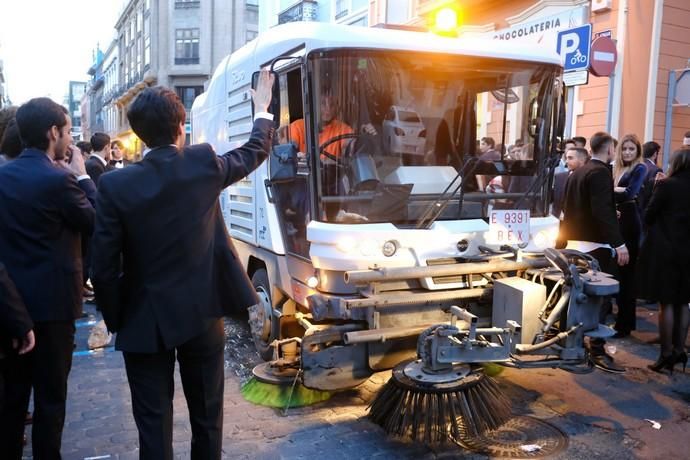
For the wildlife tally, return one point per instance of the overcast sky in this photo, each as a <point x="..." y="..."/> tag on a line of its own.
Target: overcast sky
<point x="46" y="43"/>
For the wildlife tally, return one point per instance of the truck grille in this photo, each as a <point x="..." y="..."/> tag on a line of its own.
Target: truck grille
<point x="453" y="279"/>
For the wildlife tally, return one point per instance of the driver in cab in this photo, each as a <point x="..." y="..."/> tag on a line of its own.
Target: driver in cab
<point x="329" y="127"/>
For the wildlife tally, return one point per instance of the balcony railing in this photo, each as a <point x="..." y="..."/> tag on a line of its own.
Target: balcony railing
<point x="186" y="60"/>
<point x="184" y="4"/>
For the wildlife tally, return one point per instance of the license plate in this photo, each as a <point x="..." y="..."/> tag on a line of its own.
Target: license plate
<point x="508" y="227"/>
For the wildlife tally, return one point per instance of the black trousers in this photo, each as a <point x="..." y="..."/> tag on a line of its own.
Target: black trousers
<point x="631" y="228"/>
<point x="152" y="385"/>
<point x="45" y="369"/>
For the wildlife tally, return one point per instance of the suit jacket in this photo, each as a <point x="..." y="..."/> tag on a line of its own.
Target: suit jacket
<point x="648" y="185"/>
<point x="15" y="321"/>
<point x="163" y="264"/>
<point x="559" y="182"/>
<point x="43" y="212"/>
<point x="95" y="167"/>
<point x="589" y="210"/>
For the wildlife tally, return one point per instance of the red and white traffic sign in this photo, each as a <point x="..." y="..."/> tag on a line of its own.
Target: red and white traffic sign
<point x="603" y="57"/>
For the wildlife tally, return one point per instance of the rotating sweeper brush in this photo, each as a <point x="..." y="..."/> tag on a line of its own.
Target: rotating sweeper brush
<point x="436" y="408"/>
<point x="436" y="398"/>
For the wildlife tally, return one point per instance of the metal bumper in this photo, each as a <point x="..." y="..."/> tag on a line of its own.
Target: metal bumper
<point x="468" y="268"/>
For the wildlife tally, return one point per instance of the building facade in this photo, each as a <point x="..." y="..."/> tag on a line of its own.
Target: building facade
<point x="93" y="122"/>
<point x="75" y="93"/>
<point x="274" y="12"/>
<point x="651" y="37"/>
<point x="111" y="86"/>
<point x="99" y="110"/>
<point x="174" y="43"/>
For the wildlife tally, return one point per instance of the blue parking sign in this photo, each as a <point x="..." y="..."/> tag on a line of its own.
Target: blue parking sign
<point x="573" y="46"/>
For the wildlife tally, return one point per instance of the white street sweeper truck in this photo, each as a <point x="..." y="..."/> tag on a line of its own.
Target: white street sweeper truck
<point x="402" y="216"/>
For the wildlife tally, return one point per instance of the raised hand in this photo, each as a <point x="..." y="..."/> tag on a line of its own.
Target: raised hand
<point x="263" y="92"/>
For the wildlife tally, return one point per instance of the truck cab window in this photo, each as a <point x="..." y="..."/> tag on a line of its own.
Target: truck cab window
<point x="407" y="127"/>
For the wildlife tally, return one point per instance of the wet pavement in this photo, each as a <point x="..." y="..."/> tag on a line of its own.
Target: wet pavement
<point x="566" y="416"/>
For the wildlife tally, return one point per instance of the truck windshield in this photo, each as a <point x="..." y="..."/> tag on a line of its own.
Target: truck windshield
<point x="395" y="132"/>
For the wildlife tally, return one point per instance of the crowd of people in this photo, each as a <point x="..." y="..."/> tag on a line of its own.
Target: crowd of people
<point x="165" y="305"/>
<point x="618" y="206"/>
<point x="73" y="212"/>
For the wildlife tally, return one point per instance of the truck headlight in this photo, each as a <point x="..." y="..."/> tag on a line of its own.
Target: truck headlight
<point x="546" y="238"/>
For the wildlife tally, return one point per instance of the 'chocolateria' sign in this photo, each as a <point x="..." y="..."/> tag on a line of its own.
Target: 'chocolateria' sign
<point x="544" y="29"/>
<point x="525" y="30"/>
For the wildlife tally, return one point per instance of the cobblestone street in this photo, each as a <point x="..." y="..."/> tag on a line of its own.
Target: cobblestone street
<point x="603" y="415"/>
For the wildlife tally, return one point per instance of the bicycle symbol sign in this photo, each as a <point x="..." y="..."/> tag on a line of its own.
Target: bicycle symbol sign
<point x="573" y="46"/>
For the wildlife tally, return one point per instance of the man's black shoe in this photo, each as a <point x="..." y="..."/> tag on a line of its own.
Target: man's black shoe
<point x="606" y="363"/>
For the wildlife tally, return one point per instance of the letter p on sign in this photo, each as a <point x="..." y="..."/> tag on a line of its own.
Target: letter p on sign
<point x="569" y="43"/>
<point x="573" y="46"/>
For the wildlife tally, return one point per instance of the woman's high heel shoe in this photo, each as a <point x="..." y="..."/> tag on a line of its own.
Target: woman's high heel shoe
<point x="663" y="362"/>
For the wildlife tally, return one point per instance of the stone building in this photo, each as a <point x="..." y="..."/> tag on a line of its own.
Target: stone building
<point x="174" y="43"/>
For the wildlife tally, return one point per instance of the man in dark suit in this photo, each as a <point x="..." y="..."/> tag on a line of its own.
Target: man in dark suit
<point x="590" y="224"/>
<point x="165" y="271"/>
<point x="44" y="207"/>
<point x="98" y="162"/>
<point x="117" y="154"/>
<point x="574" y="158"/>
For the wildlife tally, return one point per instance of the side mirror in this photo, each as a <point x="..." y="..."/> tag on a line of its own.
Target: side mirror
<point x="282" y="166"/>
<point x="274" y="107"/>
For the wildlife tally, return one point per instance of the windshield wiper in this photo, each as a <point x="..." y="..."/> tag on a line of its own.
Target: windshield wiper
<point x="435" y="209"/>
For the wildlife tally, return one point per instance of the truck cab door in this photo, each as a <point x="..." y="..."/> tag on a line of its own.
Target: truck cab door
<point x="292" y="197"/>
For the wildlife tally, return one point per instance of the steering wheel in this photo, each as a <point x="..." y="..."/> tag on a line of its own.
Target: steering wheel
<point x="339" y="137"/>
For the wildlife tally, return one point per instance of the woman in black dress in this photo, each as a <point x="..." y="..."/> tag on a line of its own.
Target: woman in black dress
<point x="664" y="260"/>
<point x="628" y="177"/>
